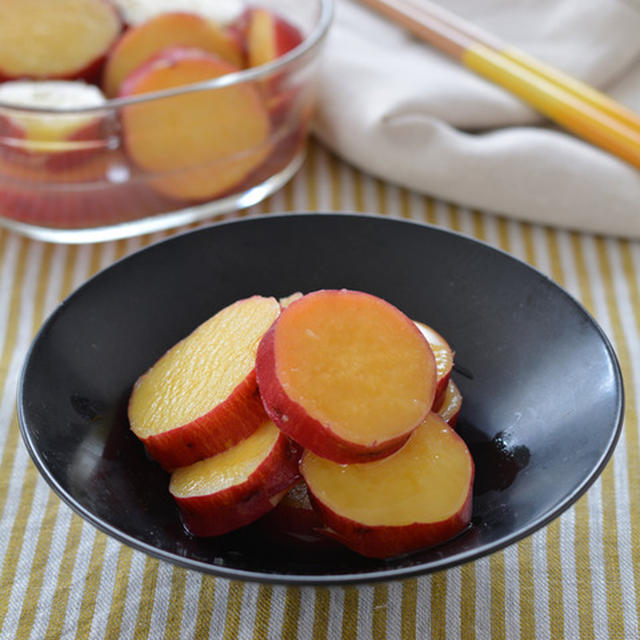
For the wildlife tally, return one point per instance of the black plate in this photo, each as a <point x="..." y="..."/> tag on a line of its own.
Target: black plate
<point x="543" y="396"/>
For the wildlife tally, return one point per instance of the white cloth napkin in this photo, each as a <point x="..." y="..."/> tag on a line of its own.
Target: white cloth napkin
<point x="395" y="107"/>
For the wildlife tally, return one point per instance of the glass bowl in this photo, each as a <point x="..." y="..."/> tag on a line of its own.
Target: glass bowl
<point x="156" y="160"/>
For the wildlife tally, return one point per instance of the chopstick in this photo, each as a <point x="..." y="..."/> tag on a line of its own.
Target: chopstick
<point x="572" y="104"/>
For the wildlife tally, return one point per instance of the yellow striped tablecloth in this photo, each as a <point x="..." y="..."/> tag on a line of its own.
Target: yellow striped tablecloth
<point x="577" y="578"/>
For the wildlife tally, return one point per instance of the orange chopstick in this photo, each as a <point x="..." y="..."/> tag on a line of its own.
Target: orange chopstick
<point x="570" y="103"/>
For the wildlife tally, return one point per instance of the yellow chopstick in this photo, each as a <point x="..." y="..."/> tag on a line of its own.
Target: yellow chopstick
<point x="570" y="103"/>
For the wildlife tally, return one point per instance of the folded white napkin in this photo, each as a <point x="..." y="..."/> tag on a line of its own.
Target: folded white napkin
<point x="395" y="107"/>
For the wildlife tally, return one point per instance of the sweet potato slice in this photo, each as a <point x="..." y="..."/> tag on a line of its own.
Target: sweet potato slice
<point x="450" y="405"/>
<point x="196" y="145"/>
<point x="62" y="39"/>
<point x="201" y="397"/>
<point x="444" y="358"/>
<point x="171" y="29"/>
<point x="415" y="498"/>
<point x="346" y="374"/>
<point x="236" y="487"/>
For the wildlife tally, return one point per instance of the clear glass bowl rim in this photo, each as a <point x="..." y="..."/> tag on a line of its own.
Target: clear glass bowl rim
<point x="314" y="38"/>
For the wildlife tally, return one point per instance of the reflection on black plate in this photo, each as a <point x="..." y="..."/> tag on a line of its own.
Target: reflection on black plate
<point x="542" y="390"/>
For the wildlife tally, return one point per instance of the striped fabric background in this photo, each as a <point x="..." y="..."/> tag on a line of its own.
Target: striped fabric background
<point x="577" y="578"/>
